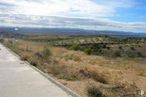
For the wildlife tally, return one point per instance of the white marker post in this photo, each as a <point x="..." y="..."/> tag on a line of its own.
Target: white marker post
<point x="140" y="92"/>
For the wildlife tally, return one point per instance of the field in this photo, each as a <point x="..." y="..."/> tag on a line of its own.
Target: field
<point x="93" y="66"/>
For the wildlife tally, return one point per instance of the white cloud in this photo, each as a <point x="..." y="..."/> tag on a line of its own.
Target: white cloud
<point x="65" y="22"/>
<point x="75" y="8"/>
<point x="86" y="14"/>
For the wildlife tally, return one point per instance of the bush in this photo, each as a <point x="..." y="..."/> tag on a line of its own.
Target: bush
<point x="72" y="57"/>
<point x="117" y="54"/>
<point x="93" y="91"/>
<point x="61" y="72"/>
<point x="88" y="51"/>
<point x="139" y="54"/>
<point x="1" y="40"/>
<point x="75" y="47"/>
<point x="104" y="46"/>
<point x="24" y="57"/>
<point x="132" y="48"/>
<point x="33" y="61"/>
<point x="99" y="77"/>
<point x="108" y="48"/>
<point x="44" y="54"/>
<point x="120" y="47"/>
<point x="67" y="75"/>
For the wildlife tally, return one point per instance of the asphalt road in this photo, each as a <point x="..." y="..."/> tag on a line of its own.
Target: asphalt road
<point x="17" y="79"/>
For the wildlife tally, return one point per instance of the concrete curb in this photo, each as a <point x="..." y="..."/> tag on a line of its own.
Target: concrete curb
<point x="66" y="89"/>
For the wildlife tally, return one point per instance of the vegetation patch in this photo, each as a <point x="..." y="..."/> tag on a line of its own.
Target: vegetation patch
<point x="94" y="91"/>
<point x="107" y="62"/>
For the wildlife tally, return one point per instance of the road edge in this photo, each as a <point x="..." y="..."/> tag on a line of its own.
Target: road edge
<point x="60" y="85"/>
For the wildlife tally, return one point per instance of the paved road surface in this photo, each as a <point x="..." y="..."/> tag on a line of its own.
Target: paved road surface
<point x="20" y="80"/>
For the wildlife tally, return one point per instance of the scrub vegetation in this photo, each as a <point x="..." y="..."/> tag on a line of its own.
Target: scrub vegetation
<point x="98" y="66"/>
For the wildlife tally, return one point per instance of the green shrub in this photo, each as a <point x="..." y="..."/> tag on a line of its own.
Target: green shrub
<point x="75" y="47"/>
<point x="88" y="51"/>
<point x="132" y="48"/>
<point x="104" y="46"/>
<point x="46" y="52"/>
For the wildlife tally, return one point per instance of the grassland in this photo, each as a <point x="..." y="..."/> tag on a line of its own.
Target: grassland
<point x="90" y="66"/>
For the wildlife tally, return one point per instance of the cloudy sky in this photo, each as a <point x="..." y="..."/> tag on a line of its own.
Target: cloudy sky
<point x="125" y="15"/>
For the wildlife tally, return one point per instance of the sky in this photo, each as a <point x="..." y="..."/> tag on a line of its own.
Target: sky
<point x="121" y="15"/>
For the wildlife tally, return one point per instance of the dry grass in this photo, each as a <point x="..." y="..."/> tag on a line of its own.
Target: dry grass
<point x="141" y="73"/>
<point x="75" y="68"/>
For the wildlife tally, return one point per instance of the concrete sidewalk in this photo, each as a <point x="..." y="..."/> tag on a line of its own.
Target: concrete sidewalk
<point x="17" y="79"/>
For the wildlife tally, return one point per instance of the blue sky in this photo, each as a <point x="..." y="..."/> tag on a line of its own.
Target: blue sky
<point x="123" y="15"/>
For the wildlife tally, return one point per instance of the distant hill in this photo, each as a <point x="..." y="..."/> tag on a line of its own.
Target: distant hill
<point x="21" y="31"/>
<point x="11" y="35"/>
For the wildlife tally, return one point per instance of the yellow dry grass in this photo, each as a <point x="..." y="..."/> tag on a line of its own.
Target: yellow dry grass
<point x="76" y="69"/>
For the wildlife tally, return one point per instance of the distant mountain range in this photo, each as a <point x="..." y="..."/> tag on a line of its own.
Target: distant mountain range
<point x="11" y="35"/>
<point x="23" y="31"/>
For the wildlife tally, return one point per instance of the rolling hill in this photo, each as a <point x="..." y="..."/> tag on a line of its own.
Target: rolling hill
<point x="21" y="31"/>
